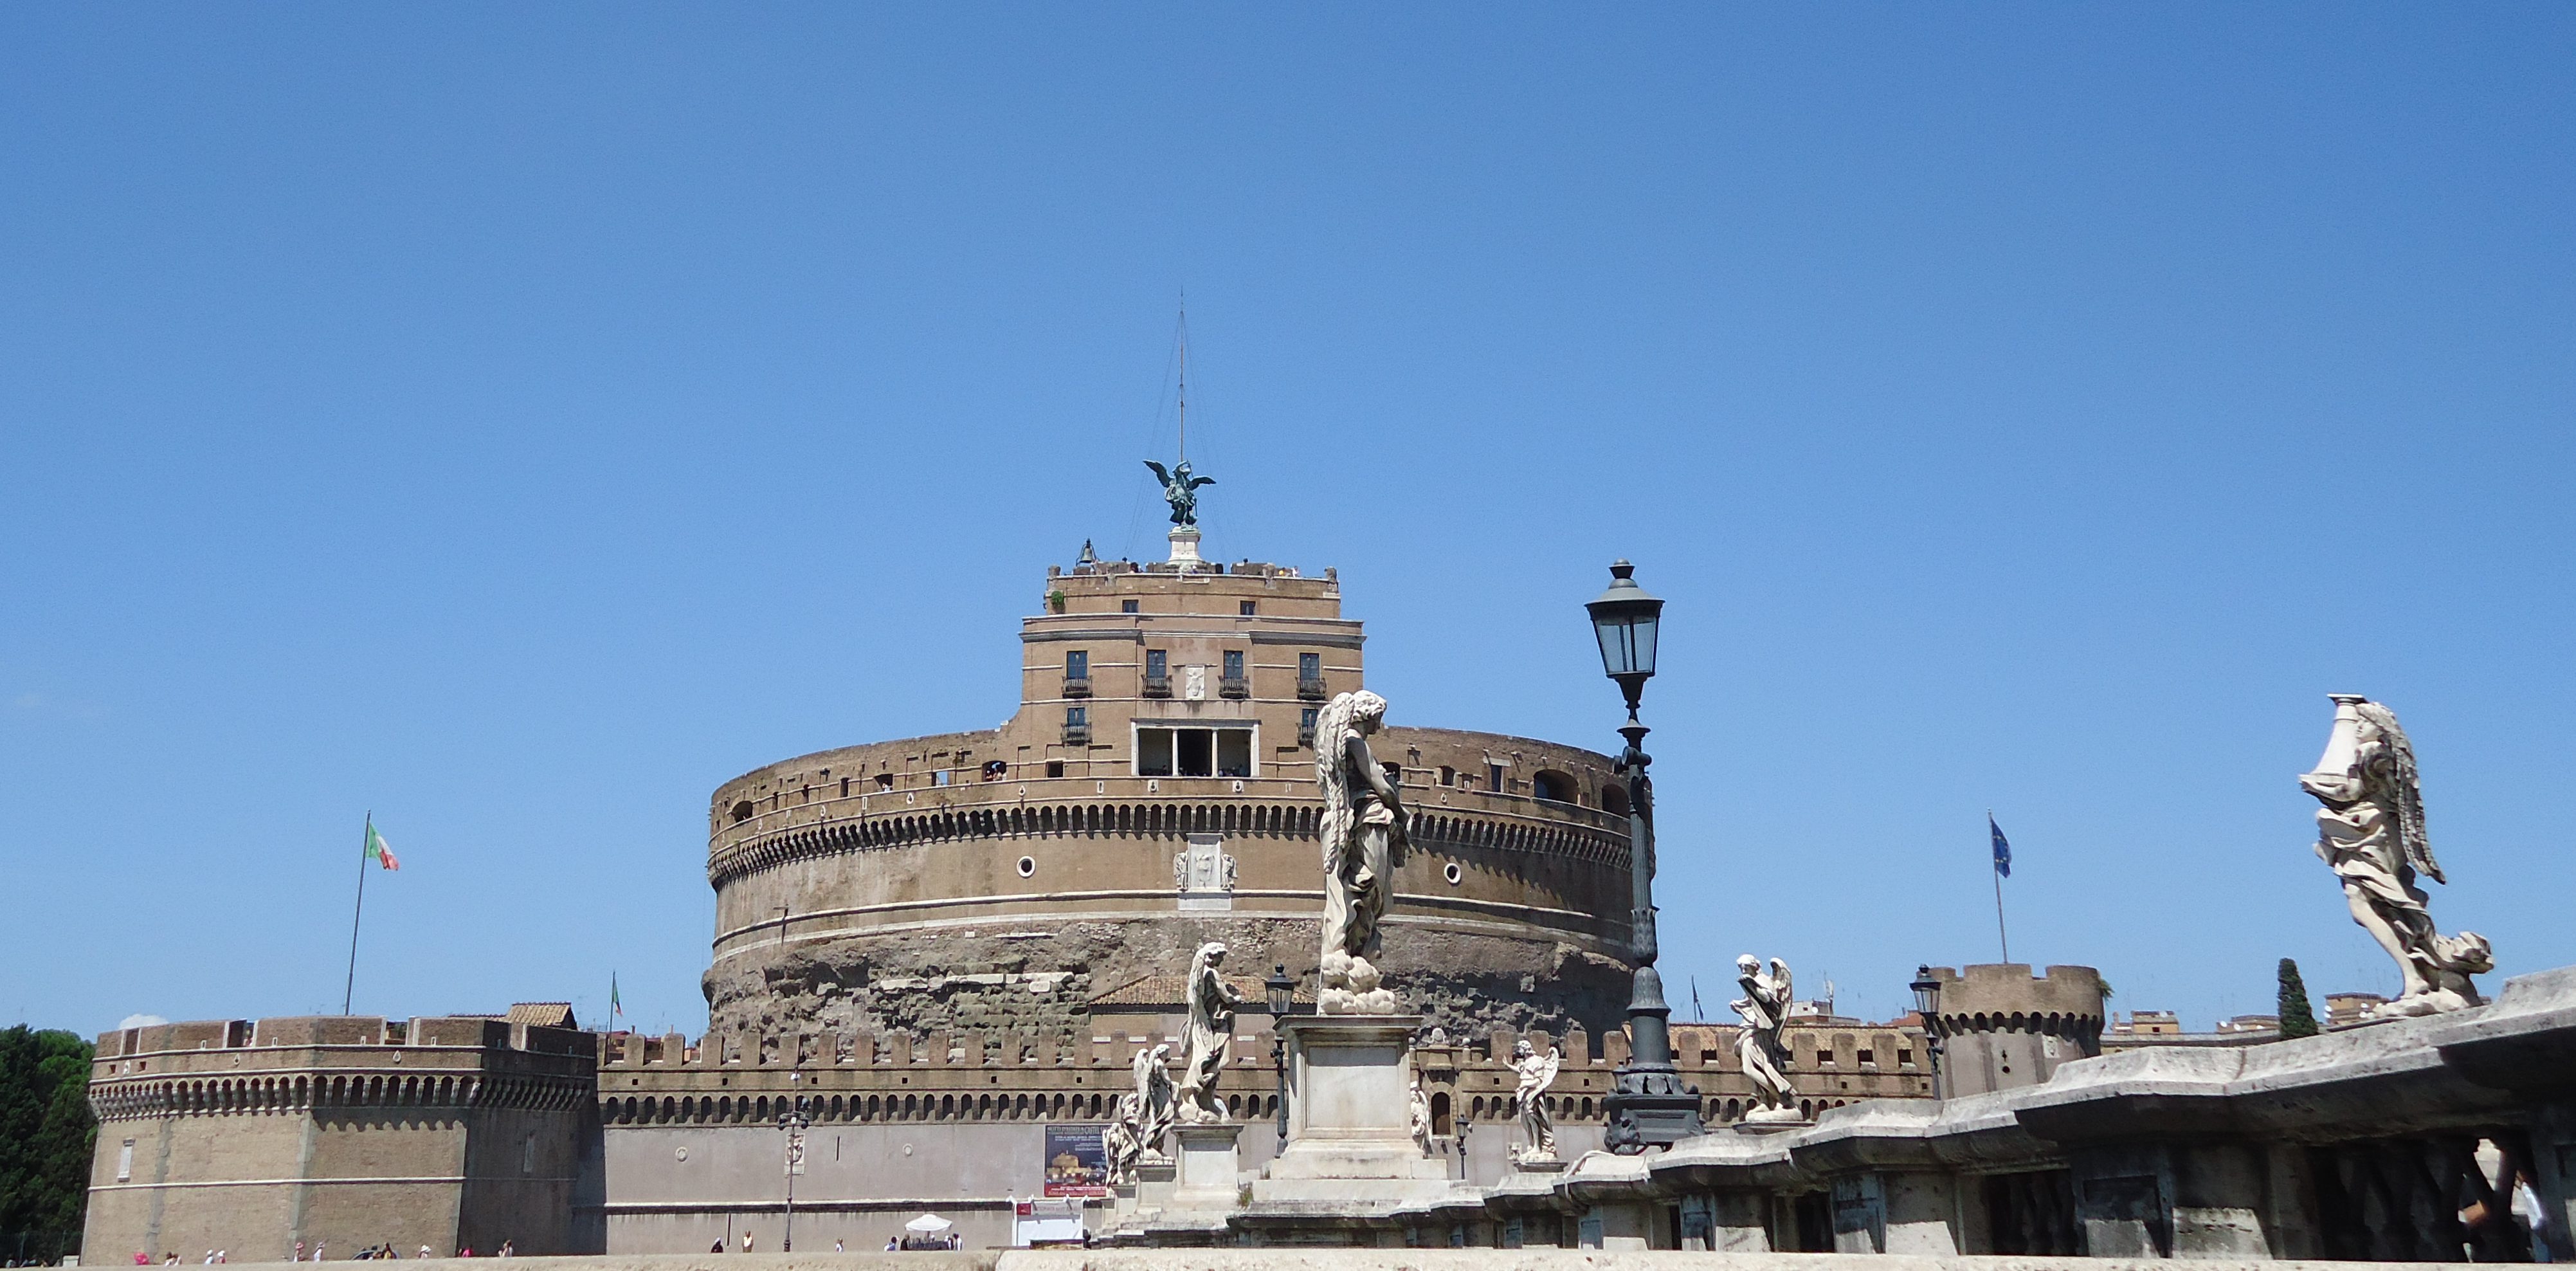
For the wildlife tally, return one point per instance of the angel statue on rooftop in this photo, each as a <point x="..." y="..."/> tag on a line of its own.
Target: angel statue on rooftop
<point x="1211" y="1003"/>
<point x="2371" y="832"/>
<point x="1764" y="1008"/>
<point x="1180" y="489"/>
<point x="1362" y="829"/>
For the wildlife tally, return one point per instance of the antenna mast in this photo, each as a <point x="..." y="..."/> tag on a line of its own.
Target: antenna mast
<point x="1184" y="394"/>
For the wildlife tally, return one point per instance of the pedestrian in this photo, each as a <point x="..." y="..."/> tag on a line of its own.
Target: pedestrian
<point x="424" y="1251"/>
<point x="506" y="1248"/>
<point x="299" y="1252"/>
<point x="746" y="1242"/>
<point x="717" y="1247"/>
<point x="836" y="1248"/>
<point x="894" y="1244"/>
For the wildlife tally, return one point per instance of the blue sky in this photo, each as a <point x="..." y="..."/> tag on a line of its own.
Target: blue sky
<point x="516" y="421"/>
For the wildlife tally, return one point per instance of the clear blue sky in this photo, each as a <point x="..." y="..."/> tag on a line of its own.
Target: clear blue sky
<point x="518" y="420"/>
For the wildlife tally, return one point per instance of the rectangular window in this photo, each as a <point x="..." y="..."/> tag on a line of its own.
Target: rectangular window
<point x="1494" y="777"/>
<point x="939" y="776"/>
<point x="1153" y="752"/>
<point x="125" y="1162"/>
<point x="1448" y="775"/>
<point x="1310" y="666"/>
<point x="1158" y="665"/>
<point x="1247" y="610"/>
<point x="1824" y="1059"/>
<point x="1074" y="717"/>
<point x="1306" y="718"/>
<point x="845" y="787"/>
<point x="1194" y="752"/>
<point x="885" y="781"/>
<point x="1869" y="1056"/>
<point x="1055" y="767"/>
<point x="1904" y="1057"/>
<point x="1234" y="664"/>
<point x="1126" y="606"/>
<point x="1077" y="664"/>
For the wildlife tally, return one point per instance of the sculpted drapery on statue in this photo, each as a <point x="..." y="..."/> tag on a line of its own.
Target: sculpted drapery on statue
<point x="1535" y="1073"/>
<point x="1764" y="1008"/>
<point x="1362" y="829"/>
<point x="1211" y="1004"/>
<point x="2371" y="832"/>
<point x="1135" y="1137"/>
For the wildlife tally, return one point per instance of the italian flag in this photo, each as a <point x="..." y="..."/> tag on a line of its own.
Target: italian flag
<point x="378" y="850"/>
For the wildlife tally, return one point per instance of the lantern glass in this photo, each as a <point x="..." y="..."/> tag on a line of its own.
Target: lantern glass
<point x="1927" y="993"/>
<point x="1626" y="620"/>
<point x="1282" y="990"/>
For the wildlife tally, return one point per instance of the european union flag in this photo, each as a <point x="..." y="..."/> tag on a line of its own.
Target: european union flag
<point x="2003" y="849"/>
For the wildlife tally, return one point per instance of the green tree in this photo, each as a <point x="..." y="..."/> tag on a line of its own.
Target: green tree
<point x="46" y="1137"/>
<point x="2298" y="1019"/>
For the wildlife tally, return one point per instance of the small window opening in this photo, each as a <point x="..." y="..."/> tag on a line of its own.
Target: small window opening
<point x="1248" y="609"/>
<point x="1126" y="606"/>
<point x="1055" y="768"/>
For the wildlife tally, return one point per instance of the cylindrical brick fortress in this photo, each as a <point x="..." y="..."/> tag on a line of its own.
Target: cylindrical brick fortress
<point x="1156" y="790"/>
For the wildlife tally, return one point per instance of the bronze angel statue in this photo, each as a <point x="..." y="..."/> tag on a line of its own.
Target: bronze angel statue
<point x="2371" y="832"/>
<point x="1180" y="490"/>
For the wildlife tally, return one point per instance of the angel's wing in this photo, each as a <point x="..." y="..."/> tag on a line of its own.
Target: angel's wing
<point x="1196" y="482"/>
<point x="1159" y="473"/>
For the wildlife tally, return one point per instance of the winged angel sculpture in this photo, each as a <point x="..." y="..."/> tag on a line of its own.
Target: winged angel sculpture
<point x="2371" y="832"/>
<point x="1180" y="489"/>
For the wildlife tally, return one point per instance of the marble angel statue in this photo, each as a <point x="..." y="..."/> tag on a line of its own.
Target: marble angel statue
<point x="1534" y="1073"/>
<point x="1362" y="829"/>
<point x="2371" y="832"/>
<point x="1135" y="1136"/>
<point x="1211" y="1004"/>
<point x="1764" y="1008"/>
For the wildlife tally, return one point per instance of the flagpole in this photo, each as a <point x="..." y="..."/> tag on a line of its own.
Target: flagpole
<point x="349" y="991"/>
<point x="2000" y="937"/>
<point x="1996" y="867"/>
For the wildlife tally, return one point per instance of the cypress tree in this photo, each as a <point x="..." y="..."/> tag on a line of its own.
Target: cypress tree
<point x="2298" y="1019"/>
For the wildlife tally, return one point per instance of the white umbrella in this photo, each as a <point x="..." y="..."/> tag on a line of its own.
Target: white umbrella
<point x="929" y="1224"/>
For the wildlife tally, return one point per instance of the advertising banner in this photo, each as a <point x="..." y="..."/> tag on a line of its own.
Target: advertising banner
<point x="1076" y="1162"/>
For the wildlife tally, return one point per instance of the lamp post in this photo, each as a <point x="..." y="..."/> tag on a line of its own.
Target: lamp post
<point x="793" y="1121"/>
<point x="1283" y="997"/>
<point x="1648" y="1105"/>
<point x="1927" y="1003"/>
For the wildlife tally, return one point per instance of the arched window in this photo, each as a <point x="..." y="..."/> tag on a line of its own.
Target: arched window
<point x="742" y="811"/>
<point x="1614" y="799"/>
<point x="1552" y="786"/>
<point x="1441" y="1122"/>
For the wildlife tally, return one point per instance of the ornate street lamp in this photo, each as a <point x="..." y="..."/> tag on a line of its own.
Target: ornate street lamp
<point x="1927" y="1003"/>
<point x="793" y="1121"/>
<point x="1283" y="996"/>
<point x="1649" y="1106"/>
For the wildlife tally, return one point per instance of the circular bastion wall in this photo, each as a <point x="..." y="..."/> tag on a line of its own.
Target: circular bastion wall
<point x="977" y="881"/>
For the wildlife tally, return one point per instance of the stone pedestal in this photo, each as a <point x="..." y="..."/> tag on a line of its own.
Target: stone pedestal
<point x="1185" y="546"/>
<point x="1350" y="1136"/>
<point x="1209" y="1179"/>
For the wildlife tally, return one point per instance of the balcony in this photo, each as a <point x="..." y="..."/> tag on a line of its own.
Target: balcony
<point x="1158" y="686"/>
<point x="1077" y="734"/>
<point x="1234" y="688"/>
<point x="1310" y="690"/>
<point x="1306" y="735"/>
<point x="1077" y="686"/>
